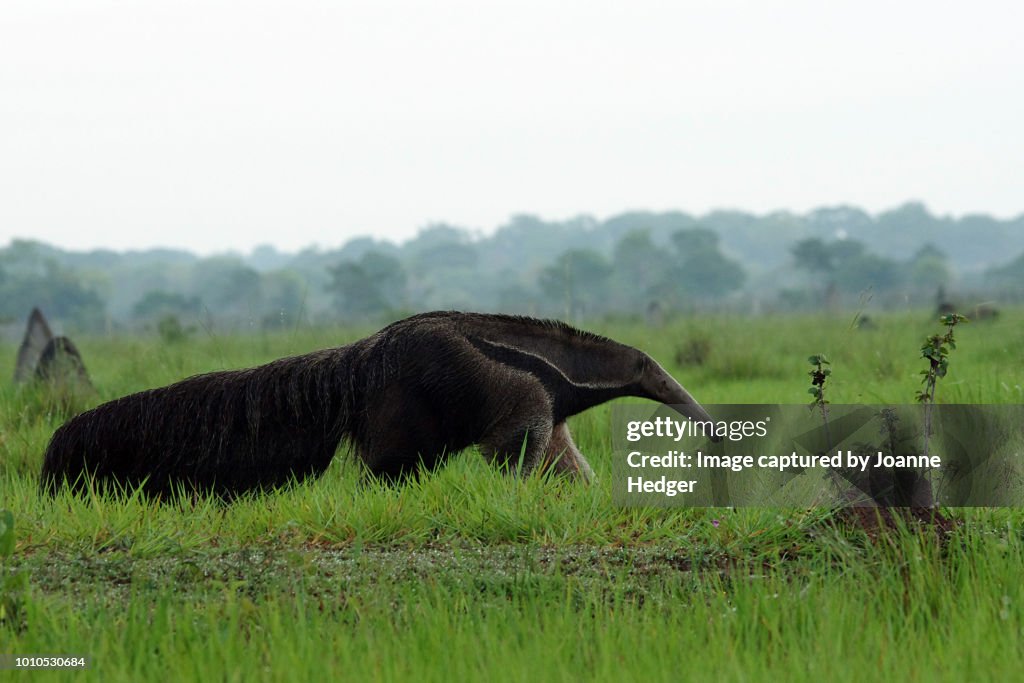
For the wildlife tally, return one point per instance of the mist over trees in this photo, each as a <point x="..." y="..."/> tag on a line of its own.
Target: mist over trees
<point x="576" y="269"/>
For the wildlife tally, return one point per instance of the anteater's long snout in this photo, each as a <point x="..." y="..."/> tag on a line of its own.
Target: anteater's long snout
<point x="663" y="387"/>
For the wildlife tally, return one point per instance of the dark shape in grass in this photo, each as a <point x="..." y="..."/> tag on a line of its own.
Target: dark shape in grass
<point x="61" y="362"/>
<point x="877" y="522"/>
<point x="55" y="364"/>
<point x="981" y="311"/>
<point x="37" y="336"/>
<point x="406" y="397"/>
<point x="694" y="351"/>
<point x="985" y="311"/>
<point x="865" y="322"/>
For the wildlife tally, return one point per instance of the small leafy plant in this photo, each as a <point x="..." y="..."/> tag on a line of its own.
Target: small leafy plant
<point x="819" y="376"/>
<point x="936" y="350"/>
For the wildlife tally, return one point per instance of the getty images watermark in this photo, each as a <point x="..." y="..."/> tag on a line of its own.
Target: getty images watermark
<point x="787" y="455"/>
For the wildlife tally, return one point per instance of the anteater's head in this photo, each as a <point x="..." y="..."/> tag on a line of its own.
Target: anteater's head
<point x="654" y="382"/>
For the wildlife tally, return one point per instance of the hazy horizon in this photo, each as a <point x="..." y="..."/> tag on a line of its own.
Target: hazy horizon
<point x="477" y="233"/>
<point x="213" y="127"/>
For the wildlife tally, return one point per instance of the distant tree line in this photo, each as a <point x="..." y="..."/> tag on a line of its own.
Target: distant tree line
<point x="629" y="264"/>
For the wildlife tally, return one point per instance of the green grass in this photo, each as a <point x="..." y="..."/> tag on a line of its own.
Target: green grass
<point x="470" y="574"/>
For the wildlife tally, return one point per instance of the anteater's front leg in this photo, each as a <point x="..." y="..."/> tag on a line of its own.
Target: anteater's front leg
<point x="564" y="457"/>
<point x="521" y="426"/>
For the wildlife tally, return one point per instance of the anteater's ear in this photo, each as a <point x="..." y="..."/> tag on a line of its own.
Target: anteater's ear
<point x="37" y="336"/>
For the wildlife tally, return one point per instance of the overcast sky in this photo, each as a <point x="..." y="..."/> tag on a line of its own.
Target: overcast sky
<point x="217" y="125"/>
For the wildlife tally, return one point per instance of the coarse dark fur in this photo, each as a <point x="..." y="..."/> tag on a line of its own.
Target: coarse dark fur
<point x="406" y="397"/>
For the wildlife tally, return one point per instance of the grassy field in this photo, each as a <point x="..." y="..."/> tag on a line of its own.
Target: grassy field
<point x="469" y="574"/>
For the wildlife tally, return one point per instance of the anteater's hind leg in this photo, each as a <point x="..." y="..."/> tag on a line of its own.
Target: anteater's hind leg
<point x="405" y="438"/>
<point x="563" y="456"/>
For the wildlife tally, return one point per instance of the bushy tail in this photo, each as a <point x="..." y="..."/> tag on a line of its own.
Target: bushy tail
<point x="226" y="432"/>
<point x="62" y="462"/>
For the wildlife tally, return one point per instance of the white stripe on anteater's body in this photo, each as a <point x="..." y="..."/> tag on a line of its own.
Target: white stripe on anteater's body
<point x="405" y="397"/>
